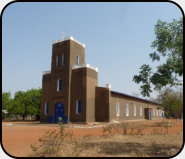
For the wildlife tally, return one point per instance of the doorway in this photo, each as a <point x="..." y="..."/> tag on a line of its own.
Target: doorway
<point x="59" y="111"/>
<point x="148" y="113"/>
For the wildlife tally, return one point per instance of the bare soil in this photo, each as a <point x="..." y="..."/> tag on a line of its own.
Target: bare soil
<point x="89" y="139"/>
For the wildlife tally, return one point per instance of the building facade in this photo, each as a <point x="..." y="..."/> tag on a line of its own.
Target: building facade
<point x="70" y="90"/>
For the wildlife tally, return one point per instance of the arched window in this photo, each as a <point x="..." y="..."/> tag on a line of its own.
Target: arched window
<point x="46" y="108"/>
<point x="134" y="110"/>
<point x="141" y="111"/>
<point x="59" y="85"/>
<point x="117" y="109"/>
<point x="127" y="110"/>
<point x="77" y="60"/>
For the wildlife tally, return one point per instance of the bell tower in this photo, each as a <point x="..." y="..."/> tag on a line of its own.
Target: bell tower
<point x="65" y="53"/>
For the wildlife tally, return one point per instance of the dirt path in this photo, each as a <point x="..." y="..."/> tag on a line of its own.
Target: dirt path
<point x="17" y="136"/>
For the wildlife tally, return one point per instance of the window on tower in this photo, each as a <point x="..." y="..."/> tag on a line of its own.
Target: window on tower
<point x="46" y="109"/>
<point x="77" y="60"/>
<point x="59" y="85"/>
<point x="57" y="60"/>
<point x="63" y="59"/>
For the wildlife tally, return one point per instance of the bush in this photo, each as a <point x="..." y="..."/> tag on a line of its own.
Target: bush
<point x="116" y="128"/>
<point x="155" y="130"/>
<point x="140" y="130"/>
<point x="166" y="126"/>
<point x="50" y="143"/>
<point x="160" y="124"/>
<point x="124" y="128"/>
<point x="109" y="129"/>
<point x="61" y="127"/>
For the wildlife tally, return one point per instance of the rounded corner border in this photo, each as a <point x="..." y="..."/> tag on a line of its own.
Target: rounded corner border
<point x="8" y="4"/>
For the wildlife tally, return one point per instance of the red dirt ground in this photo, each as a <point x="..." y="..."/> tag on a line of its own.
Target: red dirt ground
<point x="18" y="136"/>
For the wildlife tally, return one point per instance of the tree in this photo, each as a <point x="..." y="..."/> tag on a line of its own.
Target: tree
<point x="26" y="103"/>
<point x="172" y="102"/>
<point x="6" y="97"/>
<point x="169" y="44"/>
<point x="33" y="102"/>
<point x="17" y="106"/>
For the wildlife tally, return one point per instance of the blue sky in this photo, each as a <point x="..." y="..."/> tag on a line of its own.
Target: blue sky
<point x="117" y="36"/>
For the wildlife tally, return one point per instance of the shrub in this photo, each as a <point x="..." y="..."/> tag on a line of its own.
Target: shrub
<point x="110" y="128"/>
<point x="166" y="126"/>
<point x="116" y="128"/>
<point x="155" y="130"/>
<point x="140" y="130"/>
<point x="131" y="130"/>
<point x="105" y="129"/>
<point x="87" y="137"/>
<point x="160" y="124"/>
<point x="50" y="143"/>
<point x="61" y="127"/>
<point x="124" y="127"/>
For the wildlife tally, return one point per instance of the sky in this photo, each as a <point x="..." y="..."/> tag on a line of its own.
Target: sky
<point x="117" y="36"/>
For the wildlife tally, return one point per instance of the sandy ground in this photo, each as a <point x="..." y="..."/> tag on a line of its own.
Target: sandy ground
<point x="18" y="136"/>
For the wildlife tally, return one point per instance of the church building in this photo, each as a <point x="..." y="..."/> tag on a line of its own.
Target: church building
<point x="70" y="90"/>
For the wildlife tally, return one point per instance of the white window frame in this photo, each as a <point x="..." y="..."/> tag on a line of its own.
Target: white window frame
<point x="77" y="107"/>
<point x="127" y="110"/>
<point x="45" y="108"/>
<point x="135" y="112"/>
<point x="141" y="111"/>
<point x="58" y="85"/>
<point x="117" y="109"/>
<point x="57" y="60"/>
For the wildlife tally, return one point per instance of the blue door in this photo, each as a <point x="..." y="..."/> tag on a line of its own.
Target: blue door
<point x="150" y="115"/>
<point x="59" y="111"/>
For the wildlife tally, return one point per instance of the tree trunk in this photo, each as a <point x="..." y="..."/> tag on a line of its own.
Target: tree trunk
<point x="23" y="117"/>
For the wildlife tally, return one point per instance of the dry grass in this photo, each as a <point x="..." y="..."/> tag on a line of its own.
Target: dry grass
<point x="119" y="145"/>
<point x="125" y="140"/>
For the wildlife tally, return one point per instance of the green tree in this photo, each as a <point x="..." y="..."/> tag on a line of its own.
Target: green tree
<point x="33" y="102"/>
<point x="6" y="97"/>
<point x="168" y="44"/>
<point x="17" y="105"/>
<point x="26" y="103"/>
<point x="172" y="102"/>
